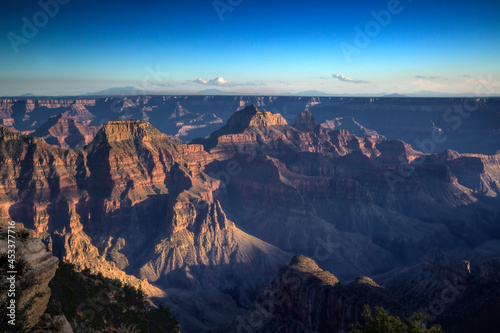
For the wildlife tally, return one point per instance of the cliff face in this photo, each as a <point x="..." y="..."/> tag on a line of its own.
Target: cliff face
<point x="304" y="298"/>
<point x="136" y="206"/>
<point x="480" y="173"/>
<point x="305" y="122"/>
<point x="190" y="117"/>
<point x="32" y="285"/>
<point x="366" y="196"/>
<point x="460" y="295"/>
<point x="253" y="117"/>
<point x="350" y="124"/>
<point x="169" y="217"/>
<point x="65" y="132"/>
<point x="251" y="131"/>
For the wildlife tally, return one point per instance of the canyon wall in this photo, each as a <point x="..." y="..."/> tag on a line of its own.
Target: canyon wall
<point x="464" y="125"/>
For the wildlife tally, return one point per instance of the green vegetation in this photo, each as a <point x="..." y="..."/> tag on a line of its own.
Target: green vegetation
<point x="23" y="234"/>
<point x="383" y="322"/>
<point x="93" y="303"/>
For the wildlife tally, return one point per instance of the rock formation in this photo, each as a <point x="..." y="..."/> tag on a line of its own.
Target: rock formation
<point x="203" y="227"/>
<point x="304" y="298"/>
<point x="351" y="125"/>
<point x="305" y="122"/>
<point x="362" y="197"/>
<point x="136" y="206"/>
<point x="32" y="281"/>
<point x="460" y="295"/>
<point x="65" y="132"/>
<point x="412" y="120"/>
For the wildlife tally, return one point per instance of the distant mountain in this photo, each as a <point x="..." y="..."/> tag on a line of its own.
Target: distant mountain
<point x="395" y="95"/>
<point x="429" y="93"/>
<point x="316" y="93"/>
<point x="119" y="91"/>
<point x="312" y="93"/>
<point x="214" y="92"/>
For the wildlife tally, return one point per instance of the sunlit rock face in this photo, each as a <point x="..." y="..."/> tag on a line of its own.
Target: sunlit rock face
<point x="125" y="203"/>
<point x="32" y="284"/>
<point x="413" y="120"/>
<point x="64" y="132"/>
<point x="216" y="219"/>
<point x="383" y="201"/>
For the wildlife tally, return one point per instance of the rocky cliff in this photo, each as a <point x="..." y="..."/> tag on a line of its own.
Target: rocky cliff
<point x="304" y="298"/>
<point x="350" y="124"/>
<point x="65" y="132"/>
<point x="190" y="117"/>
<point x="460" y="295"/>
<point x="203" y="227"/>
<point x="136" y="206"/>
<point x="251" y="131"/>
<point x="480" y="173"/>
<point x="35" y="268"/>
<point x="338" y="196"/>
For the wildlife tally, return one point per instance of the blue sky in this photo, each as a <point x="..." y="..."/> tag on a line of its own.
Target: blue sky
<point x="261" y="47"/>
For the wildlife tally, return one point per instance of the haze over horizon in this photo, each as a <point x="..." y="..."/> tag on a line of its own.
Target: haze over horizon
<point x="250" y="47"/>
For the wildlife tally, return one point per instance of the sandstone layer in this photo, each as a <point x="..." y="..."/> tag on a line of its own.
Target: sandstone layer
<point x="32" y="282"/>
<point x="211" y="222"/>
<point x="412" y="120"/>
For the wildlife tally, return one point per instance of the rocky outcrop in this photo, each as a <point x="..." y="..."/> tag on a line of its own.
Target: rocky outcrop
<point x="305" y="122"/>
<point x="304" y="298"/>
<point x="241" y="124"/>
<point x="218" y="217"/>
<point x="253" y="117"/>
<point x="351" y="125"/>
<point x="480" y="173"/>
<point x="204" y="122"/>
<point x="35" y="268"/>
<point x="344" y="187"/>
<point x="56" y="324"/>
<point x="134" y="205"/>
<point x="460" y="295"/>
<point x="251" y="131"/>
<point x="64" y="132"/>
<point x="190" y="117"/>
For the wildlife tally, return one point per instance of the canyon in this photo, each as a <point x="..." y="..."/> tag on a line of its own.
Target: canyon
<point x="467" y="125"/>
<point x="329" y="193"/>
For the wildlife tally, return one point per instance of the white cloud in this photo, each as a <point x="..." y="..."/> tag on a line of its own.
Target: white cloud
<point x="348" y="79"/>
<point x="219" y="81"/>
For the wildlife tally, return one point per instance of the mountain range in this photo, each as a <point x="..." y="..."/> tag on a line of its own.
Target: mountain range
<point x="432" y="125"/>
<point x="140" y="90"/>
<point x="263" y="206"/>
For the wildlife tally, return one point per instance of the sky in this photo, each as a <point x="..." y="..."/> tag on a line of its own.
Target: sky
<point x="71" y="47"/>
